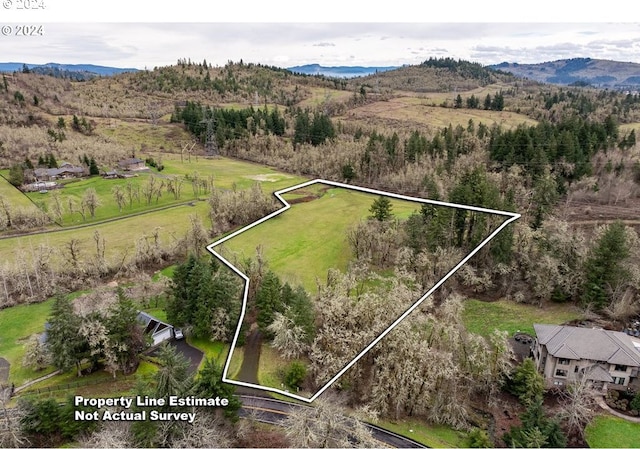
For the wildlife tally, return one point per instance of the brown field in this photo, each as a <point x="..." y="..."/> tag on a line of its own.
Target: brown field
<point x="412" y="112"/>
<point x="320" y="95"/>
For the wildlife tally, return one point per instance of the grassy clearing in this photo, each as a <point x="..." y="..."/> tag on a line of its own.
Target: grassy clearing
<point x="271" y="367"/>
<point x="483" y="317"/>
<point x="611" y="431"/>
<point x="320" y="95"/>
<point x="420" y="112"/>
<point x="237" y="356"/>
<point x="18" y="324"/>
<point x="431" y="435"/>
<point x="14" y="197"/>
<point x="315" y="235"/>
<point x="226" y="172"/>
<point x="141" y="135"/>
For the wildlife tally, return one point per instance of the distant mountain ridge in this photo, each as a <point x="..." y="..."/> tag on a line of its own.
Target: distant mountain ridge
<point x="339" y="71"/>
<point x="579" y="71"/>
<point x="74" y="71"/>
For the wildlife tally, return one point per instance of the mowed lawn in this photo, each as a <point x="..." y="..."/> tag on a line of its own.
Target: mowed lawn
<point x="17" y="324"/>
<point x="304" y="242"/>
<point x="482" y="317"/>
<point x="14" y="197"/>
<point x="227" y="172"/>
<point x="611" y="431"/>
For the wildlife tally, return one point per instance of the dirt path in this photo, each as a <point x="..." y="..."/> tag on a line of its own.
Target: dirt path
<point x="34" y="381"/>
<point x="249" y="368"/>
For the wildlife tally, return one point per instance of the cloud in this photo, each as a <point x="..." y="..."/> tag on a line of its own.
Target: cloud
<point x="156" y="44"/>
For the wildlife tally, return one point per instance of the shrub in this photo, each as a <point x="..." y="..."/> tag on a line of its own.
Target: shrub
<point x="635" y="402"/>
<point x="295" y="374"/>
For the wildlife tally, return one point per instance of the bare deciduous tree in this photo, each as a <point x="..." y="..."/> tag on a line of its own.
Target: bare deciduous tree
<point x="90" y="201"/>
<point x="288" y="338"/>
<point x="578" y="401"/>
<point x="326" y="425"/>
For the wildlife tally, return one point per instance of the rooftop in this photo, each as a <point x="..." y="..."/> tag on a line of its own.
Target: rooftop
<point x="575" y="343"/>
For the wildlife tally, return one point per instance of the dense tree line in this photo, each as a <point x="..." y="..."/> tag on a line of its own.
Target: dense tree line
<point x="572" y="142"/>
<point x="205" y="298"/>
<point x="228" y="124"/>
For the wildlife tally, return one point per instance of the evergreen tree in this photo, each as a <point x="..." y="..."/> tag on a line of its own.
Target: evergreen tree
<point x="268" y="301"/>
<point x="526" y="383"/>
<point x="487" y="102"/>
<point x="173" y="377"/>
<point x="209" y="384"/>
<point x="458" y="102"/>
<point x="66" y="345"/>
<point x="381" y="208"/>
<point x="604" y="270"/>
<point x="16" y="175"/>
<point x="93" y="167"/>
<point x="125" y="333"/>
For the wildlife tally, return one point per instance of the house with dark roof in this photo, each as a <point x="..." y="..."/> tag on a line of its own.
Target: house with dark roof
<point x="132" y="164"/>
<point x="63" y="172"/>
<point x="563" y="354"/>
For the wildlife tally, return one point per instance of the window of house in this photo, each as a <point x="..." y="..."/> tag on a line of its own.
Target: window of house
<point x="561" y="373"/>
<point x="620" y="368"/>
<point x="575" y="370"/>
<point x="618" y="380"/>
<point x="564" y="361"/>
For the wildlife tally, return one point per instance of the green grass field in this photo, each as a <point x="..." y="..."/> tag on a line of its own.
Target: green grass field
<point x="431" y="435"/>
<point x="304" y="242"/>
<point x="14" y="197"/>
<point x="611" y="431"/>
<point x="224" y="172"/>
<point x="17" y="324"/>
<point x="482" y="317"/>
<point x="121" y="235"/>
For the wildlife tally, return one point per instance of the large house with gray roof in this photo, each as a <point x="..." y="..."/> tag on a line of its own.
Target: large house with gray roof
<point x="563" y="354"/>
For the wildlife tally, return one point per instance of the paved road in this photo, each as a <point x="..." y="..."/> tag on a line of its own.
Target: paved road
<point x="274" y="411"/>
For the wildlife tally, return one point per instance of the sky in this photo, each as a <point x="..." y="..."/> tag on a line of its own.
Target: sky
<point x="144" y="35"/>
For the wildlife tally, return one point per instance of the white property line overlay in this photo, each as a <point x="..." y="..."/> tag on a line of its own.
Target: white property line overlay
<point x="512" y="217"/>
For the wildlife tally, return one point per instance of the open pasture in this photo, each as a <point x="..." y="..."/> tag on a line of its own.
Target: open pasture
<point x="301" y="244"/>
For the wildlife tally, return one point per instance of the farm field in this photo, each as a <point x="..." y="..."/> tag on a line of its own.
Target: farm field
<point x="320" y="95"/>
<point x="304" y="242"/>
<point x="121" y="235"/>
<point x="482" y="317"/>
<point x="222" y="171"/>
